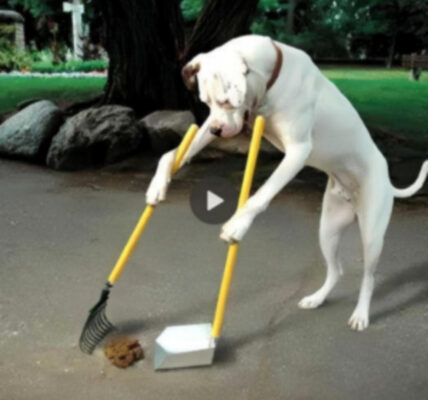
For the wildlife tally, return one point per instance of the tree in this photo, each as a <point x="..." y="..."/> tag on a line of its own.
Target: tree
<point x="143" y="40"/>
<point x="291" y="15"/>
<point x="147" y="47"/>
<point x="359" y="28"/>
<point x="38" y="8"/>
<point x="405" y="22"/>
<point x="45" y="24"/>
<point x="368" y="20"/>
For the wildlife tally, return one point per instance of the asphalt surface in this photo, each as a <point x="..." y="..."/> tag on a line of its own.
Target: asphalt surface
<point x="61" y="234"/>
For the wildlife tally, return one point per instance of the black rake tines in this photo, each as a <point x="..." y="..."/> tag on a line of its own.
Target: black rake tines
<point x="97" y="326"/>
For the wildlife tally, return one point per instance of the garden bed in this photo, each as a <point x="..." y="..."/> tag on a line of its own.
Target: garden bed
<point x="25" y="74"/>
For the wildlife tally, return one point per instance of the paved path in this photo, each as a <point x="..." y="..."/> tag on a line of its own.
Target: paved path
<point x="61" y="234"/>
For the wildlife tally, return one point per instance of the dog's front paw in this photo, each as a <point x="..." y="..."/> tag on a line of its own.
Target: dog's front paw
<point x="157" y="190"/>
<point x="236" y="228"/>
<point x="158" y="187"/>
<point x="359" y="321"/>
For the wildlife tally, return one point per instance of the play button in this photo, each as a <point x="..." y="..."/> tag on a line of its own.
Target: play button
<point x="213" y="200"/>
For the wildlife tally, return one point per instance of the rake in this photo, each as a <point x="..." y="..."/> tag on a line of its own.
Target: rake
<point x="97" y="325"/>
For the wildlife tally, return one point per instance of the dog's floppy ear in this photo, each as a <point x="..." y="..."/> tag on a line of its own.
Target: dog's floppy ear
<point x="189" y="72"/>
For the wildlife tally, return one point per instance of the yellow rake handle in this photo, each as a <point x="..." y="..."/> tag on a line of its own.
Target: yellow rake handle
<point x="148" y="211"/>
<point x="232" y="253"/>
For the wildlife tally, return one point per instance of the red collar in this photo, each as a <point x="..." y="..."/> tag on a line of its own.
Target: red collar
<point x="274" y="76"/>
<point x="276" y="68"/>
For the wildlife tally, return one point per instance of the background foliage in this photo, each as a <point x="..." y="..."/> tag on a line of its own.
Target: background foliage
<point x="354" y="29"/>
<point x="350" y="29"/>
<point x="332" y="30"/>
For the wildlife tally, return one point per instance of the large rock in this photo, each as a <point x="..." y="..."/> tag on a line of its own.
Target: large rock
<point x="95" y="137"/>
<point x="27" y="134"/>
<point x="239" y="144"/>
<point x="166" y="128"/>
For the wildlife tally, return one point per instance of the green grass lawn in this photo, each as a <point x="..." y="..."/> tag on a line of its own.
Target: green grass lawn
<point x="16" y="89"/>
<point x="386" y="99"/>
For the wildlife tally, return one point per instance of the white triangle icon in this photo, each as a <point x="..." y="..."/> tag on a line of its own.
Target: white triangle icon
<point x="213" y="200"/>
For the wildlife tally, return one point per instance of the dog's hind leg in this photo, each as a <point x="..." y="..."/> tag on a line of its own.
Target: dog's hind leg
<point x="373" y="217"/>
<point x="337" y="214"/>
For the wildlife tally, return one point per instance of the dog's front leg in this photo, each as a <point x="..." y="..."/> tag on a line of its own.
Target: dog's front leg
<point x="158" y="187"/>
<point x="293" y="162"/>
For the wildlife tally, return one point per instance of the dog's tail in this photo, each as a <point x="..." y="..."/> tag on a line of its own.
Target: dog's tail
<point x="412" y="189"/>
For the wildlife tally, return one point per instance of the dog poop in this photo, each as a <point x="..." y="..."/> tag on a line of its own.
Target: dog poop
<point x="123" y="351"/>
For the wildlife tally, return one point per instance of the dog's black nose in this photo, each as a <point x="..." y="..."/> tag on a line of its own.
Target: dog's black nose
<point x="215" y="131"/>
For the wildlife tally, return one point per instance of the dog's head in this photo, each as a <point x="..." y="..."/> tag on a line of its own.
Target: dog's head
<point x="221" y="76"/>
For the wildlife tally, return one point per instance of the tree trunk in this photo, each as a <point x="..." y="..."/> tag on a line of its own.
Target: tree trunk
<point x="391" y="52"/>
<point x="291" y="12"/>
<point x="143" y="39"/>
<point x="146" y="46"/>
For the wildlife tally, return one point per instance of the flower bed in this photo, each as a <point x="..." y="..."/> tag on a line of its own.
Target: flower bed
<point x="24" y="74"/>
<point x="27" y="67"/>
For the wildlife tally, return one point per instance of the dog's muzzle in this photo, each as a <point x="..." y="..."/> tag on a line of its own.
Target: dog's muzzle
<point x="217" y="131"/>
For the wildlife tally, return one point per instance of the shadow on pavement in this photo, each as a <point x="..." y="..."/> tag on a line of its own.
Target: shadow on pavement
<point x="416" y="275"/>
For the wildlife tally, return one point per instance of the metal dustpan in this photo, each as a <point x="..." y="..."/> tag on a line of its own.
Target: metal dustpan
<point x="185" y="346"/>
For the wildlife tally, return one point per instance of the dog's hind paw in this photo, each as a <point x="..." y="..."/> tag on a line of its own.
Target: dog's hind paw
<point x="310" y="302"/>
<point x="358" y="321"/>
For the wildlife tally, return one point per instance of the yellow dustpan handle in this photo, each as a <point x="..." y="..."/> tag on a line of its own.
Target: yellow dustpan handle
<point x="232" y="253"/>
<point x="148" y="211"/>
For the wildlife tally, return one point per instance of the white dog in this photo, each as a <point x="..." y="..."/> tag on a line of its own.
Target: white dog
<point x="309" y="120"/>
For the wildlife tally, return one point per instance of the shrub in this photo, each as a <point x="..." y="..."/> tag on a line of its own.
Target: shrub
<point x="12" y="58"/>
<point x="44" y="55"/>
<point x="42" y="66"/>
<point x="69" y="66"/>
<point x="85" y="66"/>
<point x="7" y="31"/>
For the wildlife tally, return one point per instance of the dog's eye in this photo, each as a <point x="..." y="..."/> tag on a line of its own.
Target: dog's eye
<point x="225" y="104"/>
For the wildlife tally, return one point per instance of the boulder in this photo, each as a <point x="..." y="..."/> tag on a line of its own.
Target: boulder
<point x="25" y="103"/>
<point x="166" y="128"/>
<point x="27" y="134"/>
<point x="95" y="137"/>
<point x="240" y="144"/>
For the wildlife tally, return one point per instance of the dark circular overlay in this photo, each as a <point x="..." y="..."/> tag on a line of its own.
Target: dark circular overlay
<point x="213" y="200"/>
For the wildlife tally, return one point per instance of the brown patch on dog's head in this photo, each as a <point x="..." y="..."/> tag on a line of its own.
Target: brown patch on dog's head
<point x="188" y="73"/>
